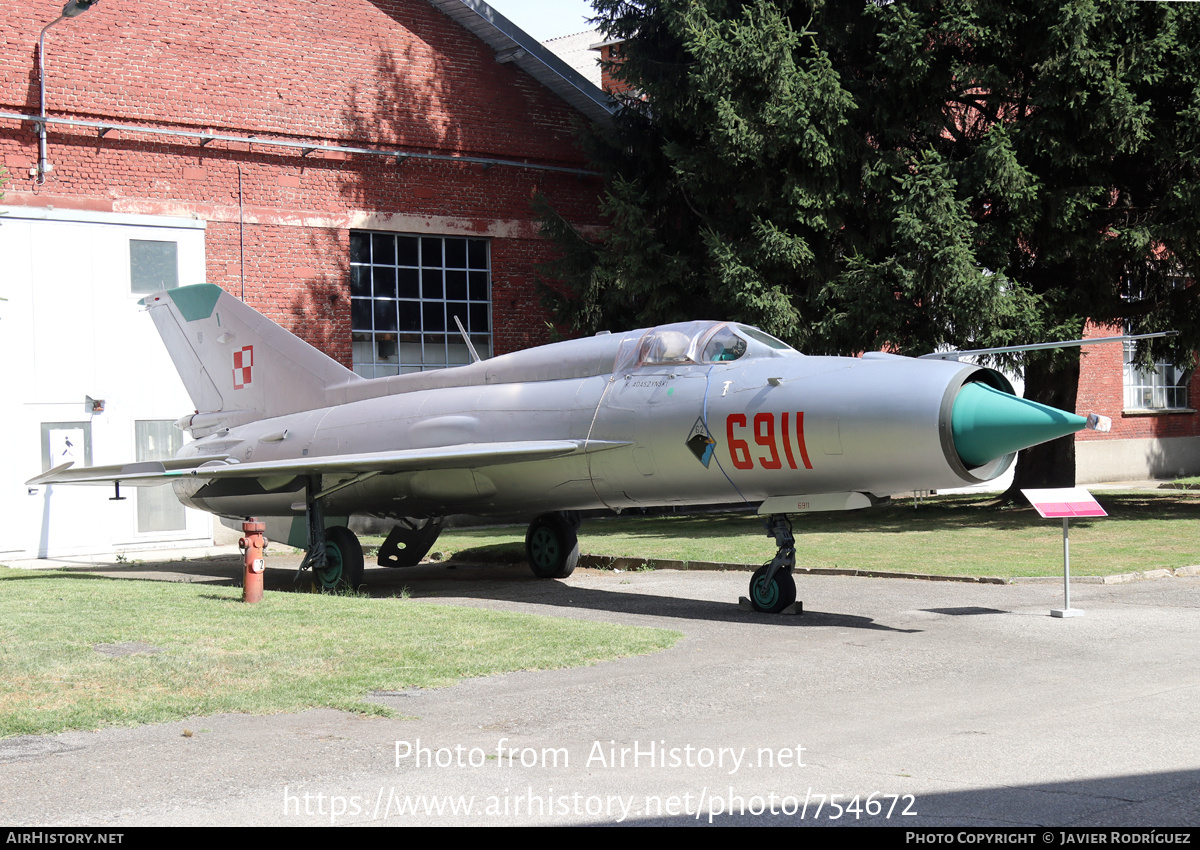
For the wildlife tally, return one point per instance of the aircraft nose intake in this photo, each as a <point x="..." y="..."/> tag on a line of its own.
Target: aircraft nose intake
<point x="987" y="423"/>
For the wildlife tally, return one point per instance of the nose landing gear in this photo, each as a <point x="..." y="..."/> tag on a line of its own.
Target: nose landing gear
<point x="772" y="588"/>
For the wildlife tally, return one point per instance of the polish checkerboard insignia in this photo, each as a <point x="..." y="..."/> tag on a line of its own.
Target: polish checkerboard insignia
<point x="242" y="361"/>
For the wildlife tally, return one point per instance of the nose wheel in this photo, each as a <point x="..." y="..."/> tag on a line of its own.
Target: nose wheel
<point x="772" y="588"/>
<point x="774" y="594"/>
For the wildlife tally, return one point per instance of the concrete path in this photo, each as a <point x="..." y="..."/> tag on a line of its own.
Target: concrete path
<point x="915" y="703"/>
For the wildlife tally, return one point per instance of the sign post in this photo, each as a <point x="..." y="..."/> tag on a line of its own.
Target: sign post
<point x="1065" y="502"/>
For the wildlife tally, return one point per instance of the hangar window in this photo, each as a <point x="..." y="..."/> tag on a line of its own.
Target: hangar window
<point x="153" y="265"/>
<point x="405" y="292"/>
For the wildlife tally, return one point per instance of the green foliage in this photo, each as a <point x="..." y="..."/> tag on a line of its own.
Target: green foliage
<point x="901" y="175"/>
<point x="722" y="177"/>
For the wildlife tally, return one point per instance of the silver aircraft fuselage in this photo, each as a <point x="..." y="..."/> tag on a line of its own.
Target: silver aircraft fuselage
<point x="771" y="423"/>
<point x="680" y="414"/>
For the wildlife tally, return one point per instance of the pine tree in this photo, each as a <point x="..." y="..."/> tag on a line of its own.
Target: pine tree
<point x="905" y="176"/>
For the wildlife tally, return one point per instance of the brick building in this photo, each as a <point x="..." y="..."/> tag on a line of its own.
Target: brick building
<point x="358" y="170"/>
<point x="1156" y="430"/>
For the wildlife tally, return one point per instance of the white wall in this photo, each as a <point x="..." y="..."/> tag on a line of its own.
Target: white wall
<point x="72" y="328"/>
<point x="1136" y="460"/>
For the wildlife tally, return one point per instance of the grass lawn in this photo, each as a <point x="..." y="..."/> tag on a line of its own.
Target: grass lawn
<point x="196" y="649"/>
<point x="949" y="535"/>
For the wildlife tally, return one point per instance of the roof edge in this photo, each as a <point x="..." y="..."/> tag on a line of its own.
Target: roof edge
<point x="513" y="44"/>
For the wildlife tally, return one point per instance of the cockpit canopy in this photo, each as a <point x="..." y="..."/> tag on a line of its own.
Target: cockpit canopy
<point x="665" y="347"/>
<point x="690" y="343"/>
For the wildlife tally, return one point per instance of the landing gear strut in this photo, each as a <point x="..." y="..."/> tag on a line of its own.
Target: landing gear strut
<point x="334" y="554"/>
<point x="772" y="588"/>
<point x="552" y="544"/>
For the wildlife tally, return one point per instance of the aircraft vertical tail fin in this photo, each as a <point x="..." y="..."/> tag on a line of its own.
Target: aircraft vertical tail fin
<point x="238" y="365"/>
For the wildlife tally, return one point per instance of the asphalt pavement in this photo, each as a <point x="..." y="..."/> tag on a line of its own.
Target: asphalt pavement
<point x="887" y="702"/>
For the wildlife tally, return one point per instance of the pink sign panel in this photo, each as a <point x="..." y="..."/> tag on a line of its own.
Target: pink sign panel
<point x="1064" y="502"/>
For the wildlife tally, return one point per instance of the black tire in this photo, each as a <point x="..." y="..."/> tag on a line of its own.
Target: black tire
<point x="773" y="597"/>
<point x="343" y="561"/>
<point x="552" y="546"/>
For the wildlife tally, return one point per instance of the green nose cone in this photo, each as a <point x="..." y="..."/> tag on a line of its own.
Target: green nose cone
<point x="988" y="423"/>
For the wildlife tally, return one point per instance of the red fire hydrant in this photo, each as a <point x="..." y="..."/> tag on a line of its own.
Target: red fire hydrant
<point x="253" y="564"/>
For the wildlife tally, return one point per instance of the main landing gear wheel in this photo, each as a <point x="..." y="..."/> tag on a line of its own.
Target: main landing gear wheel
<point x="552" y="546"/>
<point x="343" y="568"/>
<point x="772" y="596"/>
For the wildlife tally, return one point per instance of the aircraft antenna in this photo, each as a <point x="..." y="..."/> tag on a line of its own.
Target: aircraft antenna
<point x="475" y="358"/>
<point x="1042" y="346"/>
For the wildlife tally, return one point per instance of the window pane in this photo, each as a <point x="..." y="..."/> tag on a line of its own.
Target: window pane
<point x="460" y="310"/>
<point x="456" y="253"/>
<point x="435" y="350"/>
<point x="385" y="282"/>
<point x="360" y="314"/>
<point x="479" y="286"/>
<point x="479" y="319"/>
<point x="410" y="316"/>
<point x="153" y="266"/>
<point x="157" y="507"/>
<point x="385" y="316"/>
<point x="383" y="249"/>
<point x="362" y="351"/>
<point x="431" y="284"/>
<point x="409" y="286"/>
<point x="407" y="250"/>
<point x="477" y="253"/>
<point x="431" y="252"/>
<point x="385" y="350"/>
<point x="410" y="352"/>
<point x="433" y="315"/>
<point x="456" y="286"/>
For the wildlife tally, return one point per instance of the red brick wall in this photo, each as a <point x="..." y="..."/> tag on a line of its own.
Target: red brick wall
<point x="610" y="55"/>
<point x="1102" y="390"/>
<point x="363" y="73"/>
